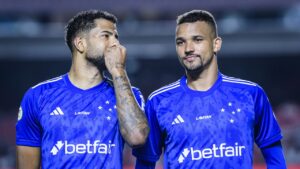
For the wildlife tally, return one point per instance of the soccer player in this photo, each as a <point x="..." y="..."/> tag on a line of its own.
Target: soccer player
<point x="82" y="119"/>
<point x="205" y="119"/>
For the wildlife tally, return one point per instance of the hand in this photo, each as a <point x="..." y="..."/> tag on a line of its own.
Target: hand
<point x="115" y="56"/>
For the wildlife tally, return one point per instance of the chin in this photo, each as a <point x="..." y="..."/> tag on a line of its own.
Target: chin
<point x="194" y="70"/>
<point x="193" y="67"/>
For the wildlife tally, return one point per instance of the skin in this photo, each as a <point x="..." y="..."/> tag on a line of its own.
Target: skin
<point x="196" y="46"/>
<point x="98" y="45"/>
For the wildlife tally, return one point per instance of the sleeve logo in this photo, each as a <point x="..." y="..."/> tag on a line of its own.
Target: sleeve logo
<point x="20" y="114"/>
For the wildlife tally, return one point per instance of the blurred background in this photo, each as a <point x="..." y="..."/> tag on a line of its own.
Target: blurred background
<point x="261" y="43"/>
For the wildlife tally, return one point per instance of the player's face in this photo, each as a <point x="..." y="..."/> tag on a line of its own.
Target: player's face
<point x="98" y="39"/>
<point x="195" y="45"/>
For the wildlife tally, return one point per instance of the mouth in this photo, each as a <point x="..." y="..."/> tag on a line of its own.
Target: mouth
<point x="190" y="58"/>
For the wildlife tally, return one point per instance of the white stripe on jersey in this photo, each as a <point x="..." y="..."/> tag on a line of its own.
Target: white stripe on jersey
<point x="165" y="88"/>
<point x="142" y="106"/>
<point x="251" y="84"/>
<point x="48" y="81"/>
<point x="237" y="79"/>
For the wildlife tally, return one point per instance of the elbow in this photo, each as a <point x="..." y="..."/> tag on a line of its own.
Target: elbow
<point x="138" y="137"/>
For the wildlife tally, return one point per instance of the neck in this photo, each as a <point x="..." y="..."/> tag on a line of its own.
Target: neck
<point x="205" y="79"/>
<point x="84" y="74"/>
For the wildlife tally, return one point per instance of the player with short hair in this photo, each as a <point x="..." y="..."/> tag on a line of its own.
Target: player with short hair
<point x="82" y="119"/>
<point x="207" y="119"/>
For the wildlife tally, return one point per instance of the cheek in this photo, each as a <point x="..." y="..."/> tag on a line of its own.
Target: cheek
<point x="101" y="47"/>
<point x="204" y="49"/>
<point x="180" y="51"/>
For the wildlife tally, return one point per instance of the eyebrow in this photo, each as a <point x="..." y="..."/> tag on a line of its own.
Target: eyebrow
<point x="179" y="38"/>
<point x="110" y="33"/>
<point x="193" y="37"/>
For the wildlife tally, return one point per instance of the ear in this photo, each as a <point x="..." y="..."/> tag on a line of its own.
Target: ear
<point x="217" y="44"/>
<point x="79" y="44"/>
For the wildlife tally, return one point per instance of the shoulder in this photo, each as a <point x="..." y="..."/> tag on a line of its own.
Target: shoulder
<point x="135" y="89"/>
<point x="241" y="84"/>
<point x="165" y="91"/>
<point x="47" y="84"/>
<point x="34" y="93"/>
<point x="237" y="81"/>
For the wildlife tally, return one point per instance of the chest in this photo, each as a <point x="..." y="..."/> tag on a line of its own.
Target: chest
<point x="73" y="113"/>
<point x="206" y="117"/>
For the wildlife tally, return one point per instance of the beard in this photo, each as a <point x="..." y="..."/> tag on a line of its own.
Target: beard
<point x="99" y="62"/>
<point x="196" y="70"/>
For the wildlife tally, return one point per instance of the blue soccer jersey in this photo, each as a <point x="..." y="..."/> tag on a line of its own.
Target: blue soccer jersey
<point x="74" y="128"/>
<point x="212" y="129"/>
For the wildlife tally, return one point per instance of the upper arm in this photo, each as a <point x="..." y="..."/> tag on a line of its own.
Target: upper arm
<point x="28" y="157"/>
<point x="273" y="155"/>
<point x="28" y="128"/>
<point x="267" y="130"/>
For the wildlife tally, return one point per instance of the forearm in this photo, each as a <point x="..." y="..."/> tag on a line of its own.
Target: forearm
<point x="132" y="120"/>
<point x="273" y="156"/>
<point x="28" y="157"/>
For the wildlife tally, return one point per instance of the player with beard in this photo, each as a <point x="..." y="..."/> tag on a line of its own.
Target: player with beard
<point x="206" y="119"/>
<point x="82" y="119"/>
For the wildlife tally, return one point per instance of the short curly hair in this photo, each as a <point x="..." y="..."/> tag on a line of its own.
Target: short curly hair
<point x="84" y="21"/>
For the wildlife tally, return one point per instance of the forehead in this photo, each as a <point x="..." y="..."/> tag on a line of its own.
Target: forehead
<point x="194" y="28"/>
<point x="104" y="25"/>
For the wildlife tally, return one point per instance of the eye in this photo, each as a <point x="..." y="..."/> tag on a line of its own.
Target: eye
<point x="198" y="39"/>
<point x="105" y="36"/>
<point x="179" y="42"/>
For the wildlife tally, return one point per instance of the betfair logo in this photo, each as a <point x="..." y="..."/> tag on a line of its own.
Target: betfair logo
<point x="214" y="152"/>
<point x="57" y="147"/>
<point x="90" y="148"/>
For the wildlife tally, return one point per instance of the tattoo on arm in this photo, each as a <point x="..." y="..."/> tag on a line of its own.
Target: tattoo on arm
<point x="132" y="120"/>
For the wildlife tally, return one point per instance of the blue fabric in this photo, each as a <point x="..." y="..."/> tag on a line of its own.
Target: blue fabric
<point x="141" y="164"/>
<point x="74" y="128"/>
<point x="208" y="129"/>
<point x="273" y="155"/>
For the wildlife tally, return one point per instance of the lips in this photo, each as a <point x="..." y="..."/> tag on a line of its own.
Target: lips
<point x="190" y="58"/>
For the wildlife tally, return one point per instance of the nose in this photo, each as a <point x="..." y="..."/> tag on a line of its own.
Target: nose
<point x="113" y="41"/>
<point x="189" y="48"/>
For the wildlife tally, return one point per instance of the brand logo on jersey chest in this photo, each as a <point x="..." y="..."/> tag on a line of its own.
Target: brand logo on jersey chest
<point x="89" y="147"/>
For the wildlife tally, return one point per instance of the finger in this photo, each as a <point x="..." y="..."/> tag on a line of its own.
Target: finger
<point x="114" y="43"/>
<point x="123" y="50"/>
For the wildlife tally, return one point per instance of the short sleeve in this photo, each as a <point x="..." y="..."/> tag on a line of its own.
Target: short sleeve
<point x="139" y="97"/>
<point x="152" y="149"/>
<point x="267" y="130"/>
<point x="28" y="130"/>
